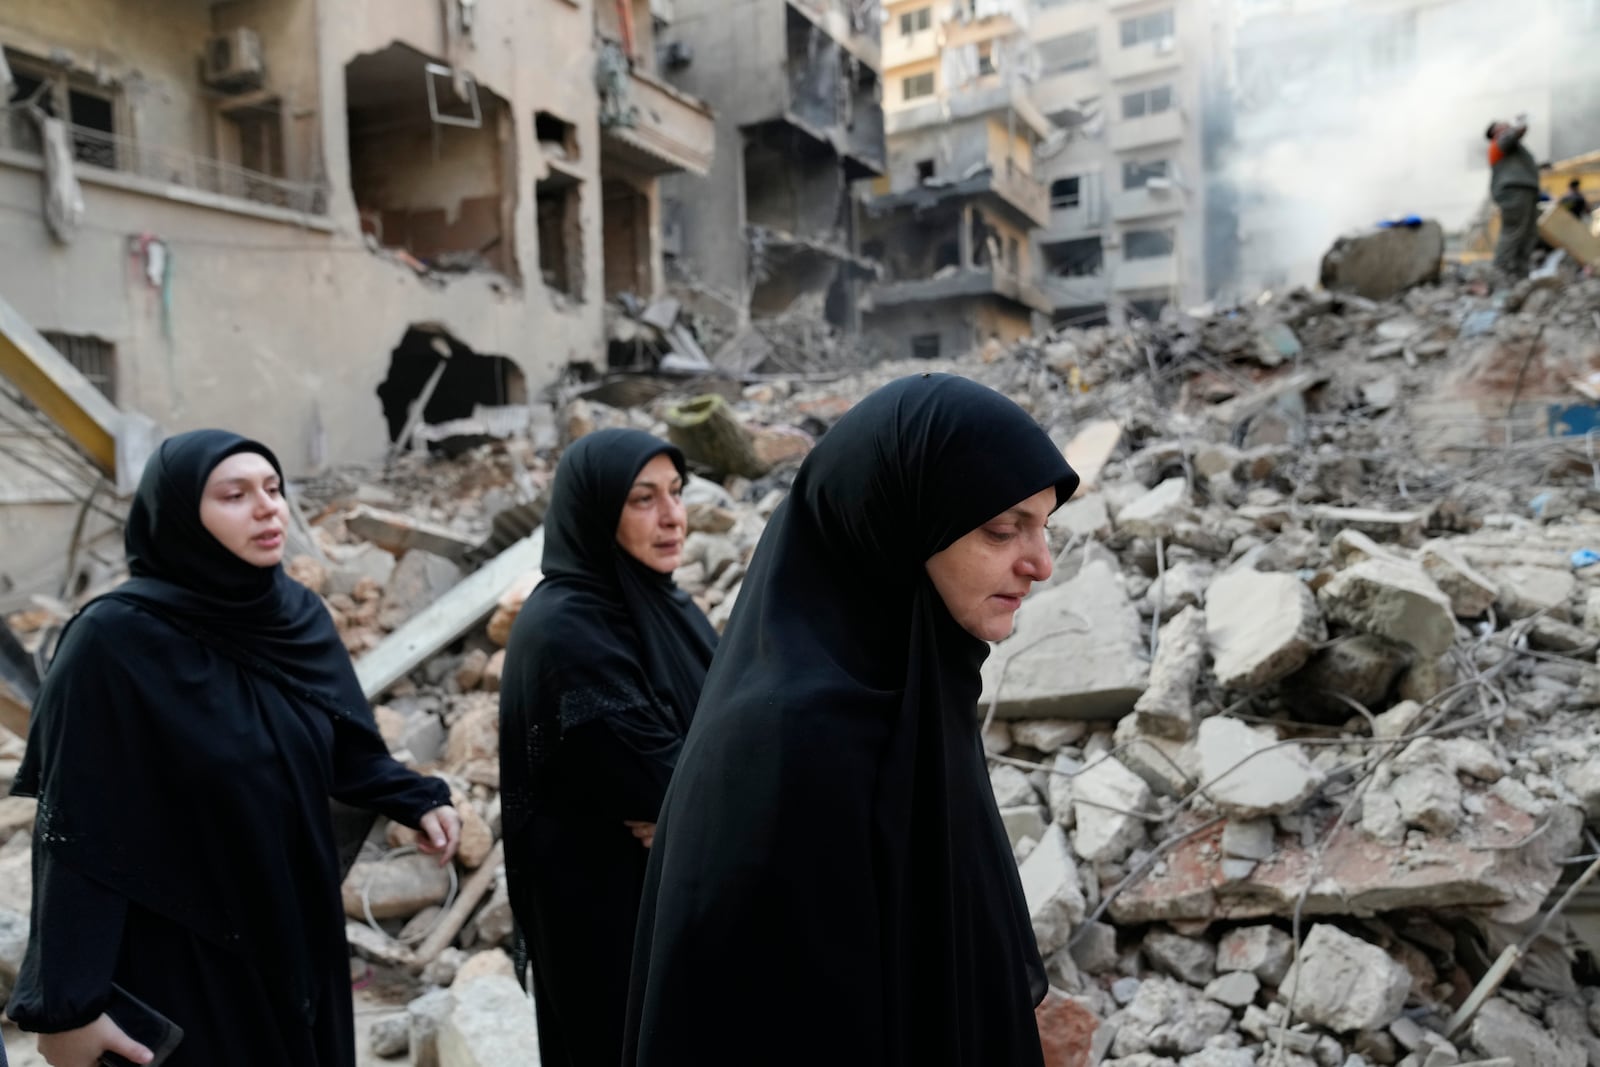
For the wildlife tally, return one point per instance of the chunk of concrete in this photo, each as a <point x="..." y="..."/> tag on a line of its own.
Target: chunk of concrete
<point x="1187" y="959"/>
<point x="1103" y="796"/>
<point x="1029" y="820"/>
<point x="1237" y="989"/>
<point x="1529" y="590"/>
<point x="1261" y="627"/>
<point x="1167" y="1017"/>
<point x="1380" y="264"/>
<point x="426" y="1015"/>
<point x="1346" y="984"/>
<point x="1053" y="890"/>
<point x="1166" y="708"/>
<point x="1091" y="449"/>
<point x="1067" y="1029"/>
<point x="1503" y="1030"/>
<point x="1011" y="787"/>
<point x="491" y="1025"/>
<point x="1170" y="767"/>
<point x="1392" y="527"/>
<point x="1058" y="791"/>
<point x="1249" y="839"/>
<point x="1264" y="951"/>
<point x="419" y="579"/>
<point x="396" y="888"/>
<point x="1158" y="512"/>
<point x="1360" y="667"/>
<point x="390" y="1035"/>
<point x="1095" y="951"/>
<point x="1245" y="785"/>
<point x="1397" y="601"/>
<point x="1075" y="652"/>
<point x="1471" y="593"/>
<point x="1085" y="518"/>
<point x="1429" y="798"/>
<point x="1350" y="547"/>
<point x="1183" y="585"/>
<point x="351" y="565"/>
<point x="1048" y="735"/>
<point x="1584" y="781"/>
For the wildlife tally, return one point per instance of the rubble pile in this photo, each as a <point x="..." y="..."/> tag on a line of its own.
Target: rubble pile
<point x="1299" y="738"/>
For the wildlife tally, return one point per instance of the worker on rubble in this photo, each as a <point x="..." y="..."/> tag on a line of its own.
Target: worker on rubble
<point x="603" y="671"/>
<point x="184" y="748"/>
<point x="1575" y="202"/>
<point x="831" y="882"/>
<point x="1514" y="187"/>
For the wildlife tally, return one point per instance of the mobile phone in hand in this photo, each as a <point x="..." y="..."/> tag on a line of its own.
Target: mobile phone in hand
<point x="144" y="1024"/>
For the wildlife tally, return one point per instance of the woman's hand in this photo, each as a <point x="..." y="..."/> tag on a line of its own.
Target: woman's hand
<point x="440" y="833"/>
<point x="644" y="831"/>
<point x="84" y="1046"/>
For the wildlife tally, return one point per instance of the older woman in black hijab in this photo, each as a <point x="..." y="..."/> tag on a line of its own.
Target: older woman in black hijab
<point x="602" y="674"/>
<point x="184" y="747"/>
<point x="831" y="882"/>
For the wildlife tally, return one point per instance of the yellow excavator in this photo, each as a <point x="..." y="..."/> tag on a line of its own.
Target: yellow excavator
<point x="1478" y="241"/>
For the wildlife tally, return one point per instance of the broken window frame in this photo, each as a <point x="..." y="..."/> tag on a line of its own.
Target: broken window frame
<point x="926" y="170"/>
<point x="56" y="93"/>
<point x="1145" y="102"/>
<point x="1150" y="244"/>
<point x="1148" y="28"/>
<point x="432" y="71"/>
<point x="986" y="59"/>
<point x="1137" y="174"/>
<point x="917" y="86"/>
<point x="1061" y="199"/>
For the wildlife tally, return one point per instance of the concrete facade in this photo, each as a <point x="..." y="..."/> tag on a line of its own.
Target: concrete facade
<point x="1353" y="112"/>
<point x="796" y="89"/>
<point x="258" y="256"/>
<point x="1130" y="84"/>
<point x="952" y="219"/>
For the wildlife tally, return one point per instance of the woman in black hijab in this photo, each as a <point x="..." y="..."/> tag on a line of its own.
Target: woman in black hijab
<point x="184" y="747"/>
<point x="602" y="674"/>
<point x="830" y="881"/>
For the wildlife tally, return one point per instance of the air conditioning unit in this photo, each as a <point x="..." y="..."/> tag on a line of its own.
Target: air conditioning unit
<point x="233" y="61"/>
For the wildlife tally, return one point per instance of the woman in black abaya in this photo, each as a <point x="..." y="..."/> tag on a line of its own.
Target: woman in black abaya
<point x="184" y="747"/>
<point x="602" y="674"/>
<point x="830" y="881"/>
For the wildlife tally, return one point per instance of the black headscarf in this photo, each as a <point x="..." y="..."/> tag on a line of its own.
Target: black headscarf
<point x="830" y="880"/>
<point x="602" y="631"/>
<point x="184" y="713"/>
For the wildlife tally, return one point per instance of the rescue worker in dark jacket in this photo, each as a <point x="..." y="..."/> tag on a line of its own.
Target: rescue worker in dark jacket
<point x="1514" y="187"/>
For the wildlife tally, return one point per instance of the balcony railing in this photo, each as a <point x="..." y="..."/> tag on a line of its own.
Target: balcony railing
<point x="1161" y="128"/>
<point x="1159" y="272"/>
<point x="170" y="166"/>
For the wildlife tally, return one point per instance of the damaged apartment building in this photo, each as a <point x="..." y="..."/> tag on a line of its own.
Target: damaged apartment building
<point x="771" y="230"/>
<point x="953" y="218"/>
<point x="318" y="224"/>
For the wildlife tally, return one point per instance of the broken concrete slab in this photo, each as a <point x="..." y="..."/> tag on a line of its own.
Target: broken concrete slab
<point x="1397" y="601"/>
<point x="1095" y="948"/>
<point x="1084" y="518"/>
<point x="1350" y="547"/>
<point x="1346" y="984"/>
<point x="1048" y="735"/>
<point x="1187" y="959"/>
<point x="1011" y="787"/>
<point x="398" y="534"/>
<point x="1471" y="593"/>
<point x="351" y="566"/>
<point x="1247" y="773"/>
<point x="1263" y="951"/>
<point x="1166" y="708"/>
<point x="447" y="618"/>
<point x="394" y="889"/>
<point x="1107" y="799"/>
<point x="490" y="1024"/>
<point x="1158" y="512"/>
<point x="1359" y="667"/>
<point x="1261" y="627"/>
<point x="1031" y="820"/>
<point x="1237" y="989"/>
<point x="1360" y="876"/>
<point x="1182" y="586"/>
<point x="1429" y="798"/>
<point x="1167" y="1017"/>
<point x="1249" y="839"/>
<point x="1171" y="768"/>
<point x="1075" y="652"/>
<point x="1054" y="891"/>
<point x="1389" y="527"/>
<point x="1380" y="264"/>
<point x="1090" y="450"/>
<point x="1584" y="781"/>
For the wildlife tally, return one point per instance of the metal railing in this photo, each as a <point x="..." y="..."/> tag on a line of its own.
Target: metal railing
<point x="125" y="155"/>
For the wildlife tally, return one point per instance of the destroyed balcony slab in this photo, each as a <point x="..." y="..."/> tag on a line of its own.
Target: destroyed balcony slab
<point x="975" y="281"/>
<point x="1479" y="867"/>
<point x="1248" y="773"/>
<point x="658" y="129"/>
<point x="1393" y="600"/>
<point x="1075" y="652"/>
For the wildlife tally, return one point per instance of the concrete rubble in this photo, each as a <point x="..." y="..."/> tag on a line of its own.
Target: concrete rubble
<point x="1309" y="666"/>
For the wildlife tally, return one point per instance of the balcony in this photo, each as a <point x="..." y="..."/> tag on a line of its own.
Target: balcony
<point x="1133" y="204"/>
<point x="1077" y="292"/>
<point x="1159" y="272"/>
<point x="853" y="32"/>
<point x="1150" y="57"/>
<point x="1006" y="184"/>
<point x="978" y="281"/>
<point x="1149" y="130"/>
<point x="659" y="129"/>
<point x="1070" y="224"/>
<point x="899" y="51"/>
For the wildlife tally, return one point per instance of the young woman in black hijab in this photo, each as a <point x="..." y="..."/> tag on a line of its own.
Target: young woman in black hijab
<point x="602" y="674"/>
<point x="184" y="747"/>
<point x="830" y="881"/>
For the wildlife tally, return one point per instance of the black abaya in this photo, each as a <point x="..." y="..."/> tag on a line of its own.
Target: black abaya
<point x="184" y="747"/>
<point x="602" y="673"/>
<point x="830" y="881"/>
